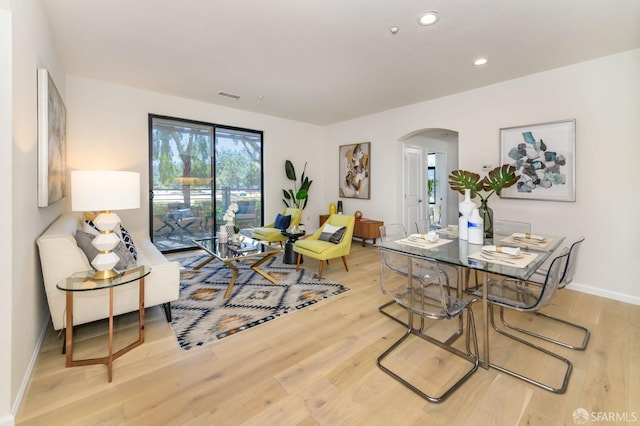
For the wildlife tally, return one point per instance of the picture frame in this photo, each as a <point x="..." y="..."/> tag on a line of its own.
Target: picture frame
<point x="354" y="174"/>
<point x="545" y="160"/>
<point x="52" y="141"/>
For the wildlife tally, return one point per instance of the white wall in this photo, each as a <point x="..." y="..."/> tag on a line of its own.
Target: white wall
<point x="5" y="210"/>
<point x="603" y="95"/>
<point x="32" y="48"/>
<point x="108" y="128"/>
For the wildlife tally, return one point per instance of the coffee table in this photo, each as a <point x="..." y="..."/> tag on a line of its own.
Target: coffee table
<point x="228" y="253"/>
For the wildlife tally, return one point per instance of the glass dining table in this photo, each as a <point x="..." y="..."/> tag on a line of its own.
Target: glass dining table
<point x="451" y="250"/>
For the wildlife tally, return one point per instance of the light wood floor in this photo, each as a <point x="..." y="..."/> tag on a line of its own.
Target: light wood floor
<point x="318" y="367"/>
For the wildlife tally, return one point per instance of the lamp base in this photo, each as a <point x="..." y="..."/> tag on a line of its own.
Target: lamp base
<point x="105" y="275"/>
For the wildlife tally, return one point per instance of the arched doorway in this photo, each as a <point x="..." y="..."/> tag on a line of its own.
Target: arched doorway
<point x="429" y="155"/>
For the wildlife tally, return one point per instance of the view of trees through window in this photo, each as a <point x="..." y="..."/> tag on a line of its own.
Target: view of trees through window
<point x="197" y="170"/>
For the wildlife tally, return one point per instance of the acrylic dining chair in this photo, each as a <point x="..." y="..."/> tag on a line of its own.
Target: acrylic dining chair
<point x="430" y="301"/>
<point x="566" y="278"/>
<point x="528" y="297"/>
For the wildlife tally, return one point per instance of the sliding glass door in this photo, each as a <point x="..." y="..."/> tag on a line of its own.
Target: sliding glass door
<point x="196" y="170"/>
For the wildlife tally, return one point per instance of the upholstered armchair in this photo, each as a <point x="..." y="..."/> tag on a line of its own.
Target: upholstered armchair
<point x="270" y="233"/>
<point x="328" y="242"/>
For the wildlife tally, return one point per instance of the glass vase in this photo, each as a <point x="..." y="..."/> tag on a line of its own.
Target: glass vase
<point x="486" y="213"/>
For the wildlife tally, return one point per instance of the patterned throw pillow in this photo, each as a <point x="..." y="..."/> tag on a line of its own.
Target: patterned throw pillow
<point x="84" y="239"/>
<point x="332" y="234"/>
<point x="91" y="228"/>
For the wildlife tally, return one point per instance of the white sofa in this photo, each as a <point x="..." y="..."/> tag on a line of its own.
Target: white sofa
<point x="60" y="257"/>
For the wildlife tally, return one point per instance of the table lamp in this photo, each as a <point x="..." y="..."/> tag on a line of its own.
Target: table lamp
<point x="103" y="191"/>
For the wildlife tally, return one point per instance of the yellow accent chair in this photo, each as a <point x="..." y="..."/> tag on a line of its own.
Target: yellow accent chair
<point x="269" y="233"/>
<point x="312" y="246"/>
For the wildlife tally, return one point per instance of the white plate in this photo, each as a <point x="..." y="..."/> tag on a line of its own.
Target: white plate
<point x="497" y="255"/>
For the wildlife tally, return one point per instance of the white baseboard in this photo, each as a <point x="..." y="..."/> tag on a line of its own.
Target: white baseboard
<point x="621" y="297"/>
<point x="7" y="420"/>
<point x="27" y="375"/>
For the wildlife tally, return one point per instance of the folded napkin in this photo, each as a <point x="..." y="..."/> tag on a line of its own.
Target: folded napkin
<point x="511" y="251"/>
<point x="527" y="236"/>
<point x="430" y="237"/>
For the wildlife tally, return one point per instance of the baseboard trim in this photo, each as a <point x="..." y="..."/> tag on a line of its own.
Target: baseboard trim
<point x="7" y="420"/>
<point x="27" y="375"/>
<point x="621" y="297"/>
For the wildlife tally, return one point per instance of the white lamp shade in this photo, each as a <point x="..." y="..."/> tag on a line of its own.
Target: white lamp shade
<point x="96" y="190"/>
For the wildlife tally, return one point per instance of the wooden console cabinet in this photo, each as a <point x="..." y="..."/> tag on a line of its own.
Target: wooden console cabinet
<point x="366" y="229"/>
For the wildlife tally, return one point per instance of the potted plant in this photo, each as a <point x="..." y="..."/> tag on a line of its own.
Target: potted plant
<point x="296" y="197"/>
<point x="495" y="181"/>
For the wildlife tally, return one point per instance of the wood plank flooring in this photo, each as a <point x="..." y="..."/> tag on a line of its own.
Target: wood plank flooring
<point x="318" y="367"/>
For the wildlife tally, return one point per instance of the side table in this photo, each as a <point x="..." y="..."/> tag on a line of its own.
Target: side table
<point x="289" y="257"/>
<point x="83" y="281"/>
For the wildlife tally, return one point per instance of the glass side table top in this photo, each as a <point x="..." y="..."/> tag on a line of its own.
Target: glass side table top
<point x="83" y="281"/>
<point x="247" y="247"/>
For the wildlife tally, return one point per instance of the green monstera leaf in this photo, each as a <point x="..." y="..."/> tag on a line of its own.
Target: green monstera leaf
<point x="499" y="178"/>
<point x="459" y="180"/>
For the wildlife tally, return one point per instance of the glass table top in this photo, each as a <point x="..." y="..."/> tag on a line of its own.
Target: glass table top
<point x="457" y="251"/>
<point x="83" y="281"/>
<point x="245" y="248"/>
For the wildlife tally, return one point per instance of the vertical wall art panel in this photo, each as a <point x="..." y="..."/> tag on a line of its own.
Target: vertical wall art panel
<point x="355" y="170"/>
<point x="52" y="141"/>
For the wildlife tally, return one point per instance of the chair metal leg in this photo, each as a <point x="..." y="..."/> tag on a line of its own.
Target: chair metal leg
<point x="469" y="356"/>
<point x="584" y="330"/>
<point x="569" y="368"/>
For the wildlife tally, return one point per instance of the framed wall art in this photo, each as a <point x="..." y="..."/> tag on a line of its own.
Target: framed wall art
<point x="355" y="170"/>
<point x="544" y="156"/>
<point x="52" y="141"/>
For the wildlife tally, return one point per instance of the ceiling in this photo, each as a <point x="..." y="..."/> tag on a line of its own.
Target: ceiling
<point x="325" y="61"/>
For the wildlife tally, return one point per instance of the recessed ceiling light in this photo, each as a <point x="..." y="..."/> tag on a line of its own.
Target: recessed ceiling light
<point x="480" y="61"/>
<point x="394" y="30"/>
<point x="429" y="18"/>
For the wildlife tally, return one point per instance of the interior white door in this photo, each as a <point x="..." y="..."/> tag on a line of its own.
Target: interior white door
<point x="414" y="190"/>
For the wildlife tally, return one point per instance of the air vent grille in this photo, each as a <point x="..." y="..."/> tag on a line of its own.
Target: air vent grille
<point x="229" y="95"/>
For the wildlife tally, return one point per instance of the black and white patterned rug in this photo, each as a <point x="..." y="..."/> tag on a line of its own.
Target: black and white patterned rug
<point x="202" y="316"/>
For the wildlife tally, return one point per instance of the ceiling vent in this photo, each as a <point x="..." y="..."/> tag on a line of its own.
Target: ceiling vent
<point x="229" y="95"/>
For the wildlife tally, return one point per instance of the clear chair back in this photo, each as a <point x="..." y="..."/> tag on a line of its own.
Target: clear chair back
<point x="422" y="226"/>
<point x="570" y="270"/>
<point x="552" y="280"/>
<point x="508" y="227"/>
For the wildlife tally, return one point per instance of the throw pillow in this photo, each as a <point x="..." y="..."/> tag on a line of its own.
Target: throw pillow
<point x="125" y="236"/>
<point x="332" y="234"/>
<point x="282" y="221"/>
<point x="90" y="228"/>
<point x="84" y="239"/>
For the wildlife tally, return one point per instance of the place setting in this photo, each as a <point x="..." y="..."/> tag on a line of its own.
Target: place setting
<point x="427" y="241"/>
<point x="504" y="255"/>
<point x="528" y="240"/>
<point x="449" y="230"/>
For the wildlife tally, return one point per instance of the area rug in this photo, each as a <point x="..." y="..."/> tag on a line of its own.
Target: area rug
<point x="202" y="316"/>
